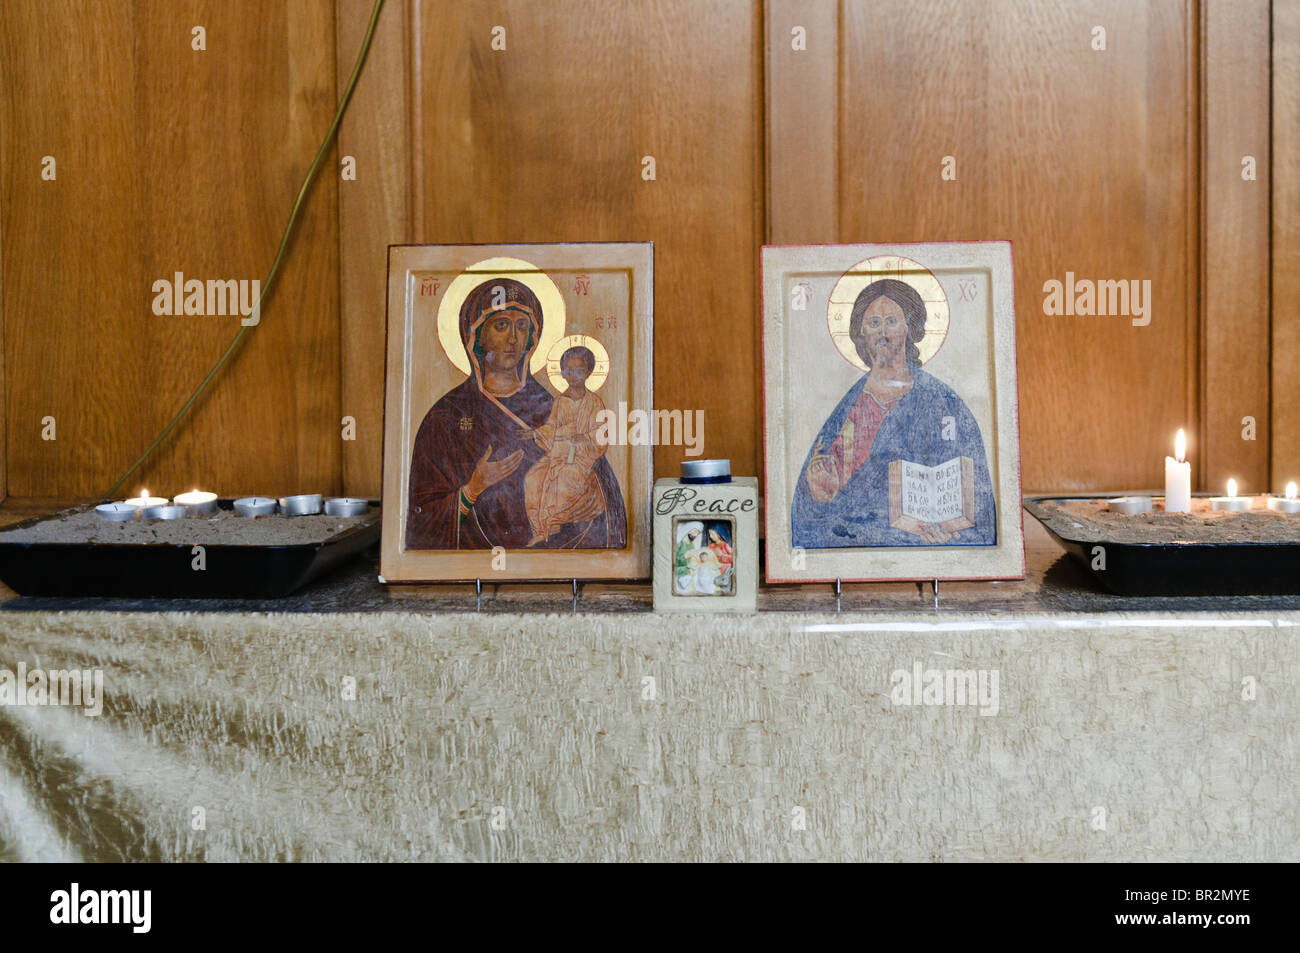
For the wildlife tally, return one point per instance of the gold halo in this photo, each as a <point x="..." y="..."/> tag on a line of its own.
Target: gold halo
<point x="839" y="310"/>
<point x="538" y="281"/>
<point x="577" y="340"/>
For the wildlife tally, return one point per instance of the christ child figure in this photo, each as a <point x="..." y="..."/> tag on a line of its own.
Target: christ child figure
<point x="562" y="486"/>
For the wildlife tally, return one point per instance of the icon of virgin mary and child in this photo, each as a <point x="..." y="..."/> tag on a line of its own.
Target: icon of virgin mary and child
<point x="900" y="461"/>
<point x="499" y="461"/>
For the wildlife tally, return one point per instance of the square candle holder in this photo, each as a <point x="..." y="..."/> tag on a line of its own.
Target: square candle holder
<point x="705" y="545"/>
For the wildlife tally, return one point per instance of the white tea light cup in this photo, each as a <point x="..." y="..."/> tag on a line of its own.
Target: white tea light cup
<point x="305" y="504"/>
<point x="1129" y="504"/>
<point x="197" y="502"/>
<point x="254" y="506"/>
<point x="346" y="506"/>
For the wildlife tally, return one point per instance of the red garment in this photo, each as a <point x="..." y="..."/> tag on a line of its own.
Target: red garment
<point x="865" y="419"/>
<point x="723" y="552"/>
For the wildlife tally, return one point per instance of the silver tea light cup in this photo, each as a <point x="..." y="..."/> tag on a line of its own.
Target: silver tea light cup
<point x="305" y="504"/>
<point x="255" y="506"/>
<point x="346" y="506"/>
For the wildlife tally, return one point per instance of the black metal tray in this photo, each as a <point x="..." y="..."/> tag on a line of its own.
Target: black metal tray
<point x="1181" y="568"/>
<point x="163" y="570"/>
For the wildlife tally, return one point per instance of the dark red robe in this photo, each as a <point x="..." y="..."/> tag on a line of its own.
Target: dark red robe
<point x="453" y="437"/>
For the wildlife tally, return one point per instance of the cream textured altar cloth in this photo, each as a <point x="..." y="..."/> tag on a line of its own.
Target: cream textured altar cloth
<point x="539" y="737"/>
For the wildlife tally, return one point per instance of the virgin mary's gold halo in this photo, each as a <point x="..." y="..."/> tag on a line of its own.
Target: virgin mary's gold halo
<point x="839" y="310"/>
<point x="538" y="281"/>
<point x="598" y="374"/>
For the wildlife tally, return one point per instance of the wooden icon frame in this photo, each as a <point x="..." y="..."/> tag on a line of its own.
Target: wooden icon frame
<point x="821" y="525"/>
<point x="605" y="293"/>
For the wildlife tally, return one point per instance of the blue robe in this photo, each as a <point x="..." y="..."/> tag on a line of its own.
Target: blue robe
<point x="912" y="431"/>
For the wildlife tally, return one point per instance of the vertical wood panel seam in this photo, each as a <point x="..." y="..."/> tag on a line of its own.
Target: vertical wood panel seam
<point x="339" y="152"/>
<point x="415" y="143"/>
<point x="1194" y="331"/>
<point x="761" y="223"/>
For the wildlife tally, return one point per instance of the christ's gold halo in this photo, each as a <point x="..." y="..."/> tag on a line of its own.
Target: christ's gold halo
<point x="839" y="311"/>
<point x="577" y="340"/>
<point x="538" y="281"/>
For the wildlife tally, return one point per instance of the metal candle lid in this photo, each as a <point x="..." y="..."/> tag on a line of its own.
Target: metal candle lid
<point x="306" y="504"/>
<point x="254" y="506"/>
<point x="706" y="471"/>
<point x="117" y="512"/>
<point x="345" y="506"/>
<point x="162" y="512"/>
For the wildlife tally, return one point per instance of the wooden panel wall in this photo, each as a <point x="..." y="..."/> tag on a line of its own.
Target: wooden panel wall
<point x="1235" y="266"/>
<point x="544" y="143"/>
<point x="168" y="159"/>
<point x="1286" y="244"/>
<point x="1081" y="158"/>
<point x="375" y="211"/>
<point x="171" y="159"/>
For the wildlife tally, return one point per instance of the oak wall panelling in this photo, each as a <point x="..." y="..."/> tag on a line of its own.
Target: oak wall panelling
<point x="169" y="159"/>
<point x="1285" y="180"/>
<point x="1080" y="157"/>
<point x="374" y="212"/>
<point x="1115" y="164"/>
<point x="545" y="141"/>
<point x="1235" y="268"/>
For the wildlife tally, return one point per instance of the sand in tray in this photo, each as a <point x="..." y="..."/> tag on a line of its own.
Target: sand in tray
<point x="1090" y="521"/>
<point x="221" y="528"/>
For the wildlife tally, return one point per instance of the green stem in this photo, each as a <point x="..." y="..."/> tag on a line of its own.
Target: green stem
<point x="279" y="255"/>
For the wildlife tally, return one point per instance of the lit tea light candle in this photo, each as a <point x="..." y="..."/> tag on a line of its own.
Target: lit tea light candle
<point x="1285" y="504"/>
<point x="1232" y="501"/>
<point x="162" y="512"/>
<point x="117" y="512"/>
<point x="305" y="504"/>
<point x="144" y="499"/>
<point x="345" y="506"/>
<point x="197" y="503"/>
<point x="1129" y="504"/>
<point x="1178" y="478"/>
<point x="254" y="506"/>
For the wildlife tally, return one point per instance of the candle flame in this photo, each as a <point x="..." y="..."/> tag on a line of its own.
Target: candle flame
<point x="1290" y="490"/>
<point x="1232" y="487"/>
<point x="144" y="494"/>
<point x="1180" y="446"/>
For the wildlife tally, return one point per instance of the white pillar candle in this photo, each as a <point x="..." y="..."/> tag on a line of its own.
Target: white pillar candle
<point x="197" y="503"/>
<point x="1285" y="504"/>
<point x="1178" y="478"/>
<point x="1232" y="501"/>
<point x="144" y="499"/>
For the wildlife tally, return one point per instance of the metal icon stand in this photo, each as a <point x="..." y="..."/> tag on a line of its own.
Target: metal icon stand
<point x="478" y="595"/>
